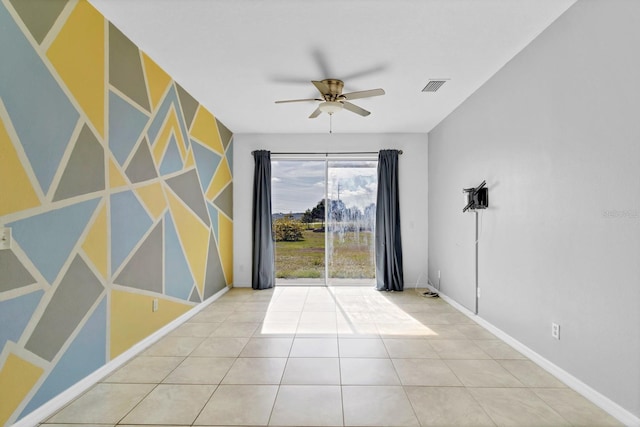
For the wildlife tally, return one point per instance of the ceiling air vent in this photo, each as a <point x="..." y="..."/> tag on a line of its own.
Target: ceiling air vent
<point x="434" y="85"/>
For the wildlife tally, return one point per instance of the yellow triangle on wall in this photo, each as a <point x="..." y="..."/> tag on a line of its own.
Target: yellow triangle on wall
<point x="170" y="127"/>
<point x="220" y="179"/>
<point x="153" y="197"/>
<point x="191" y="161"/>
<point x="225" y="246"/>
<point x="157" y="80"/>
<point x="132" y="318"/>
<point x="78" y="55"/>
<point x="205" y="130"/>
<point x="116" y="178"/>
<point x="16" y="191"/>
<point x="95" y="244"/>
<point x="17" y="378"/>
<point x="194" y="237"/>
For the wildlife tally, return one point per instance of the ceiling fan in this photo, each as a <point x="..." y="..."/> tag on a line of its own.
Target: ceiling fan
<point x="333" y="100"/>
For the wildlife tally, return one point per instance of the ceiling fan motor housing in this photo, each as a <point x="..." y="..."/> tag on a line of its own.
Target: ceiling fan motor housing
<point x="335" y="89"/>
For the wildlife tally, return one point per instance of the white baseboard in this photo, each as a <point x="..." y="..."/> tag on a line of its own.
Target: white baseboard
<point x="598" y="399"/>
<point x="55" y="404"/>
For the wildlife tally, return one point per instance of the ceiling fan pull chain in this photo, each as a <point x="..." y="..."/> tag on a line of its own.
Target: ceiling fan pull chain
<point x="330" y="123"/>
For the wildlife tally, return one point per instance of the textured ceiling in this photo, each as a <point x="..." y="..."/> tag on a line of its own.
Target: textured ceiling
<point x="238" y="56"/>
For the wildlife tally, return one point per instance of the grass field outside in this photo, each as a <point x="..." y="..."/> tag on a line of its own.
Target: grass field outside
<point x="351" y="256"/>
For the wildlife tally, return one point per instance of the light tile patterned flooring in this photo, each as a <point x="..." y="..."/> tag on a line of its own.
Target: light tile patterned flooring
<point x="315" y="356"/>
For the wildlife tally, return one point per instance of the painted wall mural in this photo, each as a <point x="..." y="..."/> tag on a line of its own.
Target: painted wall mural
<point x="117" y="186"/>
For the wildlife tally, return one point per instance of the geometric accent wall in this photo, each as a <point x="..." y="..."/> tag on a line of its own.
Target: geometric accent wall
<point x="117" y="185"/>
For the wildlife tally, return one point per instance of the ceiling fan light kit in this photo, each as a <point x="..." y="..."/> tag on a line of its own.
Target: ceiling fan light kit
<point x="330" y="107"/>
<point x="333" y="100"/>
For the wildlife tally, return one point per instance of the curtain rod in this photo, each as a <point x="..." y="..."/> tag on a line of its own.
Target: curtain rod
<point x="329" y="152"/>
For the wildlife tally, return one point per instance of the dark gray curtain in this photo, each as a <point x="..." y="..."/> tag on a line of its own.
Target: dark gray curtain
<point x="389" y="276"/>
<point x="263" y="264"/>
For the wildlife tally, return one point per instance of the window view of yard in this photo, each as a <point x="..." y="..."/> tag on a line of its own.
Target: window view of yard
<point x="311" y="243"/>
<point x="304" y="257"/>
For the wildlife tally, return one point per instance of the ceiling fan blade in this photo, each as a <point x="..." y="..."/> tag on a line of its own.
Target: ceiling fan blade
<point x="315" y="114"/>
<point x="299" y="100"/>
<point x="355" y="109"/>
<point x="322" y="62"/>
<point x="287" y="80"/>
<point x="322" y="87"/>
<point x="362" y="94"/>
<point x="363" y="73"/>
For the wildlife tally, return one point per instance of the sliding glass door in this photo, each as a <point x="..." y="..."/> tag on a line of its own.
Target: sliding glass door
<point x="324" y="221"/>
<point x="351" y="191"/>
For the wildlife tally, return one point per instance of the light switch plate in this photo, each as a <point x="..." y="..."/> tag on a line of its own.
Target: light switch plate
<point x="5" y="238"/>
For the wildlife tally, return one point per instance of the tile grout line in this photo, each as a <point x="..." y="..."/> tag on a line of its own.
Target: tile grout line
<point x="371" y="306"/>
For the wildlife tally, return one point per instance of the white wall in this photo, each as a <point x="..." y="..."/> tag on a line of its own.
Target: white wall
<point x="412" y="178"/>
<point x="556" y="134"/>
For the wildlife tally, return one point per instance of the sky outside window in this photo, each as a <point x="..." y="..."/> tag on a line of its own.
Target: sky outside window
<point x="298" y="185"/>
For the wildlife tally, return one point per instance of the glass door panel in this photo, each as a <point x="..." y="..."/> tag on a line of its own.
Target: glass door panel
<point x="351" y="198"/>
<point x="298" y="194"/>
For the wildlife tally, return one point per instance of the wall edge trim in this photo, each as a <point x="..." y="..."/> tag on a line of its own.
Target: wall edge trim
<point x="595" y="397"/>
<point x="55" y="404"/>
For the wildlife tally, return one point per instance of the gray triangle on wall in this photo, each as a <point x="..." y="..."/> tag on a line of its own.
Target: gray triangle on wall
<point x="187" y="187"/>
<point x="84" y="172"/>
<point x="188" y="103"/>
<point x="144" y="269"/>
<point x="71" y="300"/>
<point x="224" y="201"/>
<point x="225" y="134"/>
<point x="214" y="278"/>
<point x="141" y="168"/>
<point x="14" y="274"/>
<point x="195" y="296"/>
<point x="125" y="67"/>
<point x="39" y="16"/>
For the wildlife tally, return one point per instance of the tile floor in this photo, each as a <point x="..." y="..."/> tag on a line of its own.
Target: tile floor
<point x="340" y="356"/>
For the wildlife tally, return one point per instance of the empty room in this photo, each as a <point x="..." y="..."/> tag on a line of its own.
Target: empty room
<point x="327" y="213"/>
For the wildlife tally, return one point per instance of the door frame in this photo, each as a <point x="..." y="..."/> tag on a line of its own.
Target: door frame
<point x="326" y="158"/>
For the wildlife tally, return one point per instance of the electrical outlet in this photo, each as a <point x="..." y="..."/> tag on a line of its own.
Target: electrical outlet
<point x="5" y="238"/>
<point x="154" y="306"/>
<point x="555" y="331"/>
